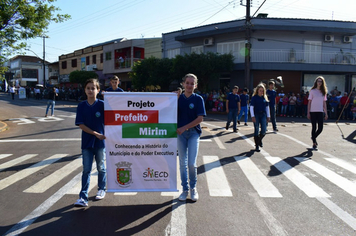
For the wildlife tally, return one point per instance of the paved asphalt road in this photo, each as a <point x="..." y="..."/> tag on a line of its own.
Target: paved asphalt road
<point x="286" y="189"/>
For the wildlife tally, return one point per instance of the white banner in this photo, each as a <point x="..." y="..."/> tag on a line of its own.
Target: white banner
<point x="141" y="141"/>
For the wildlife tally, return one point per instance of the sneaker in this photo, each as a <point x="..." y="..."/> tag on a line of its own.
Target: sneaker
<point x="194" y="194"/>
<point x="183" y="196"/>
<point x="238" y="122"/>
<point x="275" y="129"/>
<point x="246" y="124"/>
<point x="81" y="203"/>
<point x="46" y="115"/>
<point x="227" y="127"/>
<point x="235" y="131"/>
<point x="100" y="195"/>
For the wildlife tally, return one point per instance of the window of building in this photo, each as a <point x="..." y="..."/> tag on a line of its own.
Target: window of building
<point x="64" y="64"/>
<point x="107" y="56"/>
<point x="94" y="59"/>
<point x="234" y="48"/>
<point x="197" y="49"/>
<point x="74" y="63"/>
<point x="172" y="53"/>
<point x="87" y="60"/>
<point x="312" y="51"/>
<point x="101" y="58"/>
<point x="29" y="73"/>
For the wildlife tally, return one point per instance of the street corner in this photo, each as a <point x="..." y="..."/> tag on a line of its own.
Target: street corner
<point x="3" y="126"/>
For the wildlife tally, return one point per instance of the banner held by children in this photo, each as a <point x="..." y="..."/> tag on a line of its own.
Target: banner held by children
<point x="141" y="141"/>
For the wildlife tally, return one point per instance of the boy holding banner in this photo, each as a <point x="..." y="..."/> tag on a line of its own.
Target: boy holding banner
<point x="191" y="111"/>
<point x="90" y="118"/>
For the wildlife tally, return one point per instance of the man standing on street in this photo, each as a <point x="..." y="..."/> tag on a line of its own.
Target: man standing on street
<point x="271" y="94"/>
<point x="12" y="91"/>
<point x="233" y="108"/>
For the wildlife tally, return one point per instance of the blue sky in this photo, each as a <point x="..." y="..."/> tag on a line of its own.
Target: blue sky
<point x="99" y="21"/>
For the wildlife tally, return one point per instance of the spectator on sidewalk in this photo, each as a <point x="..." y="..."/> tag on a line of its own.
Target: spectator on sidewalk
<point x="12" y="90"/>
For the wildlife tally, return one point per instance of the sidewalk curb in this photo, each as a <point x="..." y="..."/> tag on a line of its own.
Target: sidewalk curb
<point x="3" y="126"/>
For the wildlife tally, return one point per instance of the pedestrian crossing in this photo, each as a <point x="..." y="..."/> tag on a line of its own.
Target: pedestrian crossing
<point x="215" y="180"/>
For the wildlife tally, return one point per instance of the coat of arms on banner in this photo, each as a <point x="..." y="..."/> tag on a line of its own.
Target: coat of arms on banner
<point x="124" y="173"/>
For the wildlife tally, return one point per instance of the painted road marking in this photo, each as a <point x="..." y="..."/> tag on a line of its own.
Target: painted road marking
<point x="217" y="181"/>
<point x="302" y="182"/>
<point x="4" y="183"/>
<point x="16" y="161"/>
<point x="55" y="177"/>
<point x="40" y="140"/>
<point x="334" y="178"/>
<point x="257" y="179"/>
<point x="4" y="155"/>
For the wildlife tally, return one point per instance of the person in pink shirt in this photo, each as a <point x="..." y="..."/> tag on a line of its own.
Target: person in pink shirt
<point x="316" y="107"/>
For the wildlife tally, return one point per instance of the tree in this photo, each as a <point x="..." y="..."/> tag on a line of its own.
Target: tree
<point x="206" y="66"/>
<point x="152" y="71"/>
<point x="81" y="76"/>
<point x="21" y="20"/>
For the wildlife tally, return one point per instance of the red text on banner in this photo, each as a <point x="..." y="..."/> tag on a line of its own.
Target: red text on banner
<point x="120" y="117"/>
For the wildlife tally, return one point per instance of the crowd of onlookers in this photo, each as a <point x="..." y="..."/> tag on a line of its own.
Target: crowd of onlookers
<point x="292" y="104"/>
<point x="64" y="93"/>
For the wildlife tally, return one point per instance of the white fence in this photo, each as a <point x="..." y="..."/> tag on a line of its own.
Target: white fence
<point x="300" y="56"/>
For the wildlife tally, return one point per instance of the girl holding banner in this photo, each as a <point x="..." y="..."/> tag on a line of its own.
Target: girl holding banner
<point x="191" y="111"/>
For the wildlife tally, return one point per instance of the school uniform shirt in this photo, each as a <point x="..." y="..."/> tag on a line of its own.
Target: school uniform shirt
<point x="317" y="100"/>
<point x="189" y="109"/>
<point x="244" y="99"/>
<point x="110" y="89"/>
<point x="91" y="116"/>
<point x="233" y="100"/>
<point x="271" y="94"/>
<point x="259" y="105"/>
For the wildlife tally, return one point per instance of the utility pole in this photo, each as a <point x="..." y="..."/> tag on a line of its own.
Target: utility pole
<point x="247" y="44"/>
<point x="44" y="66"/>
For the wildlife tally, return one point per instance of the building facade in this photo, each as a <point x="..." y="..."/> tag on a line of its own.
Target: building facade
<point x="296" y="49"/>
<point x="119" y="57"/>
<point x="28" y="71"/>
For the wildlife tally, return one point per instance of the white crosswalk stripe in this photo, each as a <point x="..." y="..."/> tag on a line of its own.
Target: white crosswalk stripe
<point x="217" y="181"/>
<point x="55" y="177"/>
<point x="338" y="180"/>
<point x="4" y="155"/>
<point x="16" y="161"/>
<point x="258" y="180"/>
<point x="4" y="183"/>
<point x="93" y="183"/>
<point x="302" y="182"/>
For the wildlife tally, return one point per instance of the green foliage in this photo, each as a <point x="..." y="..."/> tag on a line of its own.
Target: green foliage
<point x="21" y="20"/>
<point x="81" y="76"/>
<point x="152" y="71"/>
<point x="163" y="72"/>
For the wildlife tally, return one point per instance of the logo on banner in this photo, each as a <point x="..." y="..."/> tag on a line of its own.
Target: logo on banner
<point x="152" y="175"/>
<point x="124" y="173"/>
